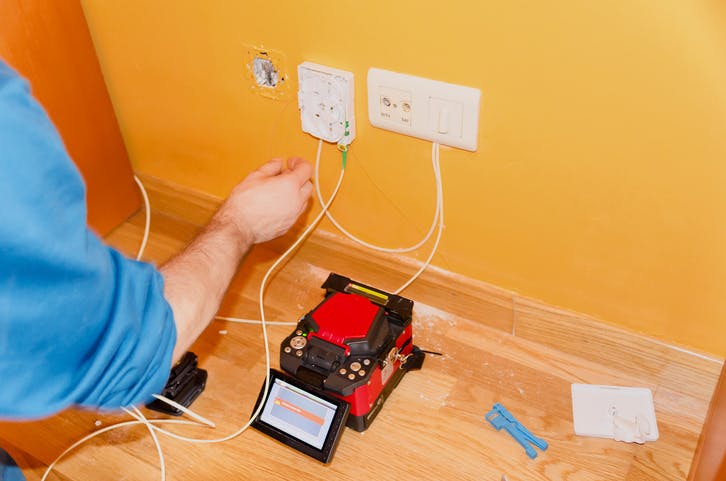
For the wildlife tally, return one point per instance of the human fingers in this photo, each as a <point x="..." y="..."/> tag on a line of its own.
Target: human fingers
<point x="270" y="168"/>
<point x="303" y="208"/>
<point x="292" y="161"/>
<point x="306" y="190"/>
<point x="301" y="169"/>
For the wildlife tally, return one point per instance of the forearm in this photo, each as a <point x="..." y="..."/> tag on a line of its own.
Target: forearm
<point x="196" y="280"/>
<point x="262" y="207"/>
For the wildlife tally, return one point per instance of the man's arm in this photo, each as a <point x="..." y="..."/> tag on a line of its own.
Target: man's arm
<point x="263" y="206"/>
<point x="81" y="324"/>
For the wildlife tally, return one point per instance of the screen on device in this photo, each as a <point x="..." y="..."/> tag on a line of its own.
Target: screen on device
<point x="298" y="413"/>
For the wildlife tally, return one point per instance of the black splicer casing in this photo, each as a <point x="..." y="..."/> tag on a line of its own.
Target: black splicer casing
<point x="186" y="382"/>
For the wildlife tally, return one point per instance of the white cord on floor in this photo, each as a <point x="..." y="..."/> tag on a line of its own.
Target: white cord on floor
<point x="255" y="321"/>
<point x="111" y="428"/>
<point x="360" y="241"/>
<point x="147" y="222"/>
<point x="140" y="416"/>
<point x="185" y="410"/>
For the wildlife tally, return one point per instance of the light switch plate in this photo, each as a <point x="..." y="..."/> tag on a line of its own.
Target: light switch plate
<point x="325" y="99"/>
<point x="428" y="109"/>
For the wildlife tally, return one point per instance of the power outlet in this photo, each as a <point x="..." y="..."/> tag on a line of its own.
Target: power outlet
<point x="325" y="98"/>
<point x="428" y="109"/>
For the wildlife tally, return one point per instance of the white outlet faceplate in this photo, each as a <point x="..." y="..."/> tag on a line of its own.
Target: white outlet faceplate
<point x="325" y="98"/>
<point x="428" y="109"/>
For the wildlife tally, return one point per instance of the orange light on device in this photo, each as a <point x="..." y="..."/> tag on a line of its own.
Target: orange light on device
<point x="307" y="415"/>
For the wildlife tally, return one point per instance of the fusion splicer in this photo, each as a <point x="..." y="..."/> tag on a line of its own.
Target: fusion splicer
<point x="347" y="354"/>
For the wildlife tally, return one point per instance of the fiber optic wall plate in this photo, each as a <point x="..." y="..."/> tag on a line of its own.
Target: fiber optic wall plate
<point x="325" y="98"/>
<point x="594" y="408"/>
<point x="428" y="109"/>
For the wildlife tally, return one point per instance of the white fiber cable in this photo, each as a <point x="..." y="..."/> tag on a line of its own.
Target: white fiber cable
<point x="147" y="222"/>
<point x="111" y="428"/>
<point x="140" y="416"/>
<point x="440" y="196"/>
<point x="185" y="410"/>
<point x="255" y="321"/>
<point x="359" y="240"/>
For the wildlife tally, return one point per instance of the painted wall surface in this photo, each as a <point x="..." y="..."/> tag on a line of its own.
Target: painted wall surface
<point x="599" y="181"/>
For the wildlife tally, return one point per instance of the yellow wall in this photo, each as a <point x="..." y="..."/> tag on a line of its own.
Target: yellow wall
<point x="600" y="180"/>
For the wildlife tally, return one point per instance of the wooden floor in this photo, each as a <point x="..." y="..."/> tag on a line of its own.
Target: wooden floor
<point x="497" y="347"/>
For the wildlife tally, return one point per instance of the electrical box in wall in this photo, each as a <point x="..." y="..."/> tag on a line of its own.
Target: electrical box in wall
<point x="428" y="109"/>
<point x="325" y="98"/>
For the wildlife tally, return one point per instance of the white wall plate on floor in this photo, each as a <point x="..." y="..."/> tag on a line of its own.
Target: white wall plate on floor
<point x="611" y="411"/>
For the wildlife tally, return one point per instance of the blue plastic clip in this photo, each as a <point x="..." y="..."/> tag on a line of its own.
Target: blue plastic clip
<point x="500" y="418"/>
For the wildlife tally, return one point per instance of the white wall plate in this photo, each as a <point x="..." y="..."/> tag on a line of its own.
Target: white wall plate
<point x="428" y="109"/>
<point x="593" y="409"/>
<point x="325" y="98"/>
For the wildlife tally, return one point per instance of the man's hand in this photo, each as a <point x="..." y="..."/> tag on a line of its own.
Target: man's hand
<point x="263" y="206"/>
<point x="268" y="202"/>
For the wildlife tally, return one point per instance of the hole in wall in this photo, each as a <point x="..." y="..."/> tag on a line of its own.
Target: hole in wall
<point x="265" y="72"/>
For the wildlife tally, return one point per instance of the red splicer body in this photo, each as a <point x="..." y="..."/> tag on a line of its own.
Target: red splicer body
<point x="356" y="345"/>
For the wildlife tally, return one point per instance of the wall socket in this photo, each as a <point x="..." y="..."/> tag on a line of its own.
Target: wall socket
<point x="325" y="98"/>
<point x="395" y="105"/>
<point x="428" y="109"/>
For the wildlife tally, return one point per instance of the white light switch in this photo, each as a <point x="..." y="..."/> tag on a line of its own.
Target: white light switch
<point x="445" y="117"/>
<point x="424" y="108"/>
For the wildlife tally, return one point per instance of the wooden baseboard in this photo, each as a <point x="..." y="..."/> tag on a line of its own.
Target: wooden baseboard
<point x="709" y="462"/>
<point x="671" y="367"/>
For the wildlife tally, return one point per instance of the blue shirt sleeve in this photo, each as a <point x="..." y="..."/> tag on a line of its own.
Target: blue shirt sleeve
<point x="9" y="470"/>
<point x="80" y="324"/>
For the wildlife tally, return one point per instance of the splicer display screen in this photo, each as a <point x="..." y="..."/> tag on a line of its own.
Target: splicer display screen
<point x="298" y="413"/>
